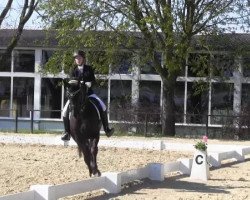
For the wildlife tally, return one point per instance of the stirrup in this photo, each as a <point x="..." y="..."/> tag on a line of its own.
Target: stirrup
<point x="66" y="137"/>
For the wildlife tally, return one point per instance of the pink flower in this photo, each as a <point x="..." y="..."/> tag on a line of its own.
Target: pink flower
<point x="204" y="138"/>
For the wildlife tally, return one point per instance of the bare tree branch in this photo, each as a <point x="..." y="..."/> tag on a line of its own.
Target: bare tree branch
<point x="27" y="11"/>
<point x="24" y="17"/>
<point x="5" y="11"/>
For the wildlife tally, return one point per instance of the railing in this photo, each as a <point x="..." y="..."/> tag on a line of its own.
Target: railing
<point x="149" y="123"/>
<point x="14" y="116"/>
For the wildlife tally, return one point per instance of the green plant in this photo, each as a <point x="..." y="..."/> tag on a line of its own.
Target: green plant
<point x="201" y="146"/>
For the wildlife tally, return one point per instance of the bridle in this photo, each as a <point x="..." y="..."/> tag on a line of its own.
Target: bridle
<point x="71" y="95"/>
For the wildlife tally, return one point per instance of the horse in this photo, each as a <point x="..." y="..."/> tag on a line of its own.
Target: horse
<point x="85" y="124"/>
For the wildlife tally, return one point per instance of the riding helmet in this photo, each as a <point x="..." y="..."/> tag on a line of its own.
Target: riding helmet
<point x="79" y="53"/>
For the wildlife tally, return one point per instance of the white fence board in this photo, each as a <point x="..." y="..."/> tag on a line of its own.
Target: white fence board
<point x="79" y="187"/>
<point x="29" y="195"/>
<point x="171" y="167"/>
<point x="134" y="174"/>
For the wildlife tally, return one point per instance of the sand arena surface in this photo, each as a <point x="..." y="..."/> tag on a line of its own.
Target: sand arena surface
<point x="23" y="165"/>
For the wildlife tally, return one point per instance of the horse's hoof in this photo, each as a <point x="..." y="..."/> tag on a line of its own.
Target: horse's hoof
<point x="97" y="174"/>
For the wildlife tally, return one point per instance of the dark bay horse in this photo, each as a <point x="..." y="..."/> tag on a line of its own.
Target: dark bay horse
<point x="85" y="124"/>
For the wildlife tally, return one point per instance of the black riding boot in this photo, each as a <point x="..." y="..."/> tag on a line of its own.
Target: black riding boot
<point x="66" y="135"/>
<point x="108" y="131"/>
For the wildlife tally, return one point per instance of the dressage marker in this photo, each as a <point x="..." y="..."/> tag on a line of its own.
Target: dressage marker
<point x="200" y="166"/>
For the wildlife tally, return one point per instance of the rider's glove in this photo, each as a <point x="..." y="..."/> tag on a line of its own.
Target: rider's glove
<point x="88" y="84"/>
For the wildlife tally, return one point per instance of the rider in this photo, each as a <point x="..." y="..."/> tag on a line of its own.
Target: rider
<point x="85" y="73"/>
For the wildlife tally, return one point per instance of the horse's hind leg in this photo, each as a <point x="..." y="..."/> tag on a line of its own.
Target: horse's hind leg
<point x="94" y="150"/>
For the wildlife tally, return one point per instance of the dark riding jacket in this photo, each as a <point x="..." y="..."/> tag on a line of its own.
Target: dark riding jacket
<point x="87" y="75"/>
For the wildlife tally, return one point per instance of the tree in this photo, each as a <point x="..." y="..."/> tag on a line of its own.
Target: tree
<point x="28" y="8"/>
<point x="166" y="26"/>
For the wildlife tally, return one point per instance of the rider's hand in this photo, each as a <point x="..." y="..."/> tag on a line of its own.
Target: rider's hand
<point x="88" y="84"/>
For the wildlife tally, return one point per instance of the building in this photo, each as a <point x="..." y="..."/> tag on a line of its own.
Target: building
<point x="41" y="96"/>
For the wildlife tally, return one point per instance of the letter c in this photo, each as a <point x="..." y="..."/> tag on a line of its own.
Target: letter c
<point x="197" y="159"/>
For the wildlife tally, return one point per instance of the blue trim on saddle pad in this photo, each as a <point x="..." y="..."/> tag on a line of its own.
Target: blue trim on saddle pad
<point x="97" y="110"/>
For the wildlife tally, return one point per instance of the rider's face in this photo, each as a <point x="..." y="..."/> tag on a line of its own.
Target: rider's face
<point x="79" y="60"/>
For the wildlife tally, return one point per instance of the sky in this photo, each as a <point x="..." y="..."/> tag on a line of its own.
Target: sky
<point x="35" y="22"/>
<point x="12" y="18"/>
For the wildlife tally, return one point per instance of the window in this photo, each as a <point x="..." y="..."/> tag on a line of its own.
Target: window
<point x="5" y="62"/>
<point x="122" y="63"/>
<point x="4" y="96"/>
<point x="198" y="65"/>
<point x="149" y="100"/>
<point x="149" y="95"/>
<point x="51" y="94"/>
<point x="120" y="99"/>
<point x="98" y="59"/>
<point x="221" y="102"/>
<point x="23" y="95"/>
<point x="147" y="66"/>
<point x="245" y="99"/>
<point x="245" y="105"/>
<point x="46" y="54"/>
<point x="179" y="101"/>
<point x="246" y="66"/>
<point x="222" y="65"/>
<point x="101" y="90"/>
<point x="24" y="61"/>
<point x="197" y="102"/>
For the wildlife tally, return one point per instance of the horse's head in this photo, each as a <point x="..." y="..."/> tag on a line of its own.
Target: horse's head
<point x="77" y="94"/>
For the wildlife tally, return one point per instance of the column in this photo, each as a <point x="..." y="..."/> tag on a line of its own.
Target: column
<point x="37" y="87"/>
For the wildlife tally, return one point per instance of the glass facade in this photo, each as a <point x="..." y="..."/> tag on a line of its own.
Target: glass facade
<point x="222" y="65"/>
<point x="197" y="102"/>
<point x="101" y="90"/>
<point x="5" y="96"/>
<point x="120" y="99"/>
<point x="24" y="61"/>
<point x="147" y="67"/>
<point x="221" y="102"/>
<point x="5" y="65"/>
<point x="122" y="63"/>
<point x="246" y="66"/>
<point x="149" y="100"/>
<point x="127" y="94"/>
<point x="46" y="54"/>
<point x="150" y="96"/>
<point x="51" y="98"/>
<point x="245" y="99"/>
<point x="98" y="60"/>
<point x="179" y="101"/>
<point x="23" y="95"/>
<point x="198" y="65"/>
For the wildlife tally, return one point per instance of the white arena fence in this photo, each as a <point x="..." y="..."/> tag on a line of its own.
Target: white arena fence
<point x="112" y="182"/>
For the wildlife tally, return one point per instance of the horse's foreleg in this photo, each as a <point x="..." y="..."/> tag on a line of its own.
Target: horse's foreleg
<point x="93" y="151"/>
<point x="87" y="156"/>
